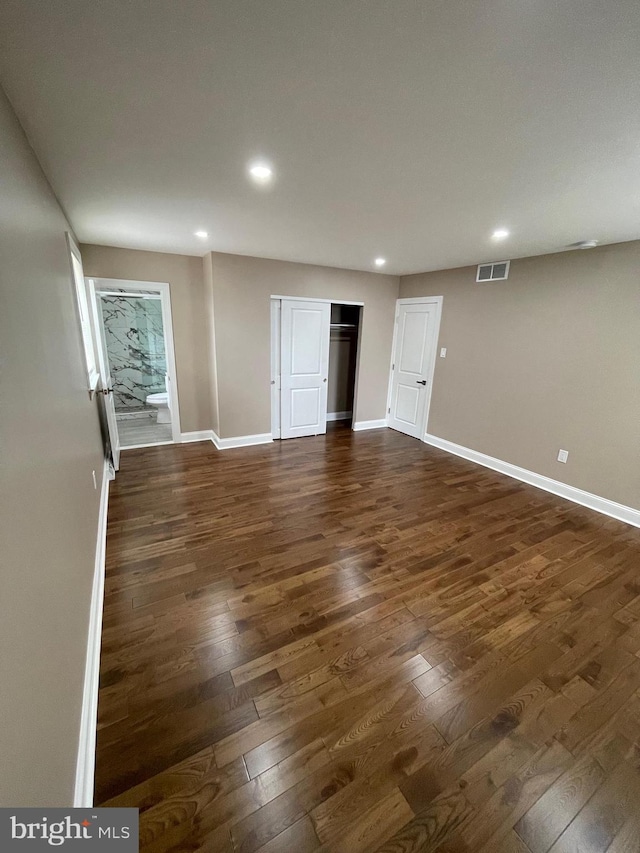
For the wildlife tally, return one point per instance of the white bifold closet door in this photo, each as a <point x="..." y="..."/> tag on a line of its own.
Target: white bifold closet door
<point x="304" y="367"/>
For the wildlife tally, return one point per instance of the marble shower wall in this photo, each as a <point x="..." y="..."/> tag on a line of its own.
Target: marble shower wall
<point x="135" y="345"/>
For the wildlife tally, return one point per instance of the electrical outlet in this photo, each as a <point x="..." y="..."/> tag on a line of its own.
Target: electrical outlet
<point x="95" y="482"/>
<point x="443" y="352"/>
<point x="563" y="455"/>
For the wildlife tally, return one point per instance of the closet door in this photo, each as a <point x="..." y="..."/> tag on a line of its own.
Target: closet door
<point x="304" y="362"/>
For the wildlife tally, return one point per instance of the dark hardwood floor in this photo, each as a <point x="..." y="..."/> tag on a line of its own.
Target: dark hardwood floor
<point x="359" y="643"/>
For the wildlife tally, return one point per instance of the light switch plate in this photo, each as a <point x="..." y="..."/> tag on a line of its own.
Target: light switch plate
<point x="443" y="352"/>
<point x="563" y="455"/>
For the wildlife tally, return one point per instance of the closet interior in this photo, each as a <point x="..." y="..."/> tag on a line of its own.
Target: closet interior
<point x="343" y="349"/>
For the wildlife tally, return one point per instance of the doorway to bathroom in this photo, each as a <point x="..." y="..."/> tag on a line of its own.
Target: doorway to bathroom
<point x="134" y="332"/>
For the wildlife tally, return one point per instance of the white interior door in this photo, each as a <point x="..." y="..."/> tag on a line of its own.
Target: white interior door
<point x="106" y="381"/>
<point x="413" y="363"/>
<point x="304" y="367"/>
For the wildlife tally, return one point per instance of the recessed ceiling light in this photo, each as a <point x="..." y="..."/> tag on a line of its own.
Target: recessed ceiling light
<point x="500" y="234"/>
<point x="261" y="173"/>
<point x="202" y="234"/>
<point x="380" y="262"/>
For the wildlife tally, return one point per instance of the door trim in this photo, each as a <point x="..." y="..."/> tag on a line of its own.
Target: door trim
<point x="97" y="330"/>
<point x="276" y="342"/>
<point x="311" y="299"/>
<point x="83" y="307"/>
<point x="416" y="300"/>
<point x="164" y="288"/>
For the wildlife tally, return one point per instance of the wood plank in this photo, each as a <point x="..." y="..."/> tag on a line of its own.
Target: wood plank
<point x="547" y="819"/>
<point x="431" y="827"/>
<point x="513" y="799"/>
<point x="605" y="814"/>
<point x="358" y="642"/>
<point x="299" y="837"/>
<point x="372" y="827"/>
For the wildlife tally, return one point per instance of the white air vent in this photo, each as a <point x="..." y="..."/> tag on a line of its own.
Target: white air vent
<point x="493" y="272"/>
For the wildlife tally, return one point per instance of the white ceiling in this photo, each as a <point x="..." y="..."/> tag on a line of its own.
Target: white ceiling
<point x="399" y="128"/>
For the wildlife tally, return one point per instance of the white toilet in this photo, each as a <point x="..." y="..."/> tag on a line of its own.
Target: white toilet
<point x="161" y="402"/>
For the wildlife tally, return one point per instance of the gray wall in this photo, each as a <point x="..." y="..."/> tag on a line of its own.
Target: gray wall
<point x="548" y="359"/>
<point x="184" y="274"/>
<point x="242" y="287"/>
<point x="48" y="506"/>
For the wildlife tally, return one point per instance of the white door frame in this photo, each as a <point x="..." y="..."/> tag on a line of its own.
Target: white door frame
<point x="276" y="331"/>
<point x="416" y="300"/>
<point x="311" y="299"/>
<point x="104" y="372"/>
<point x="276" y="314"/>
<point x="164" y="289"/>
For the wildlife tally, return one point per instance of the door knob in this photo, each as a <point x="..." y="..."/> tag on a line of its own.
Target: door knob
<point x="421" y="381"/>
<point x="324" y="380"/>
<point x="106" y="391"/>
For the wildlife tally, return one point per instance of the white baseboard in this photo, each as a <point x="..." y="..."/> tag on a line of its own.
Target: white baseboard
<point x="241" y="440"/>
<point x="202" y="435"/>
<point x="339" y="416"/>
<point x="227" y="443"/>
<point x="360" y="425"/>
<point x="141" y="446"/>
<point x="85" y="765"/>
<point x="571" y="493"/>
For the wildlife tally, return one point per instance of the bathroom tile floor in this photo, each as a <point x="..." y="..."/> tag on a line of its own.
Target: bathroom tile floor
<point x="134" y="431"/>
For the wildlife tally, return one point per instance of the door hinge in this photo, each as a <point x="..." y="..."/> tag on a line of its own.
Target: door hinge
<point x="393" y="367"/>
<point x="389" y="410"/>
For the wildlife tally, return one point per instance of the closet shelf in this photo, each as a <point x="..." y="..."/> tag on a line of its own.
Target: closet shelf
<point x="343" y="326"/>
